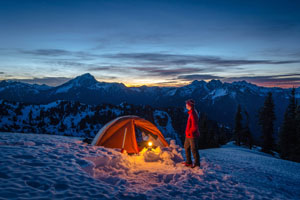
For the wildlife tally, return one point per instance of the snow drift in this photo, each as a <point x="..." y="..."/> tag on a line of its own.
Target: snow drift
<point x="57" y="167"/>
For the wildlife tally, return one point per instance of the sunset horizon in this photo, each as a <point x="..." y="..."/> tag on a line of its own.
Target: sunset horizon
<point x="52" y="81"/>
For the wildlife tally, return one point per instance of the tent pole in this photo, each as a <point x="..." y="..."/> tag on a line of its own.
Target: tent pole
<point x="124" y="140"/>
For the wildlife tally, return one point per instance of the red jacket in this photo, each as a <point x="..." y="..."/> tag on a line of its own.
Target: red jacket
<point x="192" y="129"/>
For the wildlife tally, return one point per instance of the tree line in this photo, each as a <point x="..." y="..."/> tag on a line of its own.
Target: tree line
<point x="288" y="142"/>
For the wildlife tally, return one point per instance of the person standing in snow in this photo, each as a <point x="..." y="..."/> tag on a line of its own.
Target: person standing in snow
<point x="192" y="135"/>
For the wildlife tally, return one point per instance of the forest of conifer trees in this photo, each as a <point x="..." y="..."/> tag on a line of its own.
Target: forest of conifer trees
<point x="287" y="144"/>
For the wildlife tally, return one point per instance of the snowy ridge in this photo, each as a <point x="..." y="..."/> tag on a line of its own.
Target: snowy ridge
<point x="64" y="89"/>
<point x="17" y="86"/>
<point x="88" y="81"/>
<point x="217" y="93"/>
<point x="58" y="167"/>
<point x="71" y="118"/>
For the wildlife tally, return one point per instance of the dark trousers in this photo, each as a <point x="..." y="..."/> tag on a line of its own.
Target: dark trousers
<point x="191" y="144"/>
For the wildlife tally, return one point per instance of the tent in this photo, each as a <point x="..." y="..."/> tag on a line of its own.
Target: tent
<point x="122" y="133"/>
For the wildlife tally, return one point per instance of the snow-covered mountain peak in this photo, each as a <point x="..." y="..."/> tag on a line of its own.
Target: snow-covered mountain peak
<point x="85" y="76"/>
<point x="198" y="83"/>
<point x="12" y="83"/>
<point x="214" y="84"/>
<point x="85" y="79"/>
<point x="20" y="86"/>
<point x="107" y="86"/>
<point x="42" y="87"/>
<point x="244" y="84"/>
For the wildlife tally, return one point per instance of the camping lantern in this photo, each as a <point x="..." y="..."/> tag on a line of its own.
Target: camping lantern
<point x="150" y="144"/>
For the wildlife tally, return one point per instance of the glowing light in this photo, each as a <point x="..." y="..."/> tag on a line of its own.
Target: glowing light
<point x="150" y="144"/>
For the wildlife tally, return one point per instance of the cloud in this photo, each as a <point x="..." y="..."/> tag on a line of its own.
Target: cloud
<point x="51" y="81"/>
<point x="69" y="63"/>
<point x="47" y="52"/>
<point x="106" y="78"/>
<point x="123" y="38"/>
<point x="159" y="71"/>
<point x="107" y="68"/>
<point x="163" y="59"/>
<point x="198" y="77"/>
<point x="149" y="71"/>
<point x="83" y="55"/>
<point x="284" y="77"/>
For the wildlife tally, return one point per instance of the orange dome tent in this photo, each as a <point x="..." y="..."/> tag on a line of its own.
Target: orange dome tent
<point x="121" y="133"/>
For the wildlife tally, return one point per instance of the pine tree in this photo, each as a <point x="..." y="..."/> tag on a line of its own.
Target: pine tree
<point x="288" y="136"/>
<point x="297" y="146"/>
<point x="203" y="128"/>
<point x="238" y="125"/>
<point x="30" y="117"/>
<point x="266" y="121"/>
<point x="247" y="133"/>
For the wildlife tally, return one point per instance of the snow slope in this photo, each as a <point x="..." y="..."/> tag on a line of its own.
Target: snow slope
<point x="57" y="167"/>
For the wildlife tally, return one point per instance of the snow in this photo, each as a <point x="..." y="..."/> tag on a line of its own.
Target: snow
<point x="50" y="105"/>
<point x="57" y="167"/>
<point x="218" y="93"/>
<point x="125" y="105"/>
<point x="41" y="87"/>
<point x="79" y="81"/>
<point x="135" y="89"/>
<point x="233" y="95"/>
<point x="170" y="92"/>
<point x="167" y="130"/>
<point x="64" y="89"/>
<point x="101" y="85"/>
<point x="115" y="111"/>
<point x="189" y="89"/>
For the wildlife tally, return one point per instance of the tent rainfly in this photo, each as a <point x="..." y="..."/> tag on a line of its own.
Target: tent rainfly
<point x="121" y="133"/>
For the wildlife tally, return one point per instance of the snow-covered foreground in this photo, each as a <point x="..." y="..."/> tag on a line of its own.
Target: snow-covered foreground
<point x="56" y="167"/>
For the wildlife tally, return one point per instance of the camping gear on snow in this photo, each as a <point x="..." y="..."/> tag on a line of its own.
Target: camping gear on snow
<point x="122" y="133"/>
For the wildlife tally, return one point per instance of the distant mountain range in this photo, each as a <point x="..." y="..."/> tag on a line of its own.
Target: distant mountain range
<point x="219" y="100"/>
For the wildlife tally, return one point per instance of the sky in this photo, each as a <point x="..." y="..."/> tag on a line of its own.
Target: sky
<point x="158" y="42"/>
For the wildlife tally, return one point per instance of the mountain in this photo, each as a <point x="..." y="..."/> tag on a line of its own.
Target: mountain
<point x="58" y="167"/>
<point x="18" y="91"/>
<point x="219" y="100"/>
<point x="86" y="89"/>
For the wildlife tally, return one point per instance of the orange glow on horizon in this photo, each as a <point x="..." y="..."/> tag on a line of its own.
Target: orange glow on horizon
<point x="180" y="84"/>
<point x="166" y="83"/>
<point x="157" y="84"/>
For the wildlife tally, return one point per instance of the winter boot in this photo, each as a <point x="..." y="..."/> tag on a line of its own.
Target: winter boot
<point x="188" y="164"/>
<point x="195" y="166"/>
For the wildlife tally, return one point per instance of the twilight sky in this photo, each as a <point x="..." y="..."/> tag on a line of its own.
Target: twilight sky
<point x="158" y="42"/>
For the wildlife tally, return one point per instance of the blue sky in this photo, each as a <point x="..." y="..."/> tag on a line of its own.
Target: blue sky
<point x="163" y="43"/>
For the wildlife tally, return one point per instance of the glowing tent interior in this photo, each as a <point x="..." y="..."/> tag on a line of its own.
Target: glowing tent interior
<point x="123" y="133"/>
